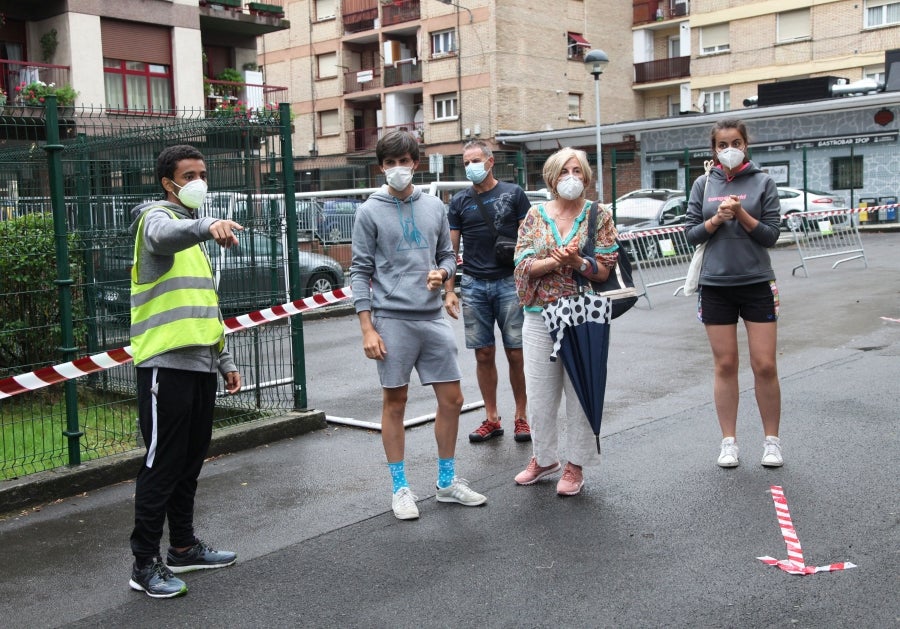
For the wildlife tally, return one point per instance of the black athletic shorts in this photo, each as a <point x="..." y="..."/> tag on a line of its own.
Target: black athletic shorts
<point x="722" y="305"/>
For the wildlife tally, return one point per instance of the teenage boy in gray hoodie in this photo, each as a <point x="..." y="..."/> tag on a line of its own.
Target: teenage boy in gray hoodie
<point x="401" y="256"/>
<point x="178" y="344"/>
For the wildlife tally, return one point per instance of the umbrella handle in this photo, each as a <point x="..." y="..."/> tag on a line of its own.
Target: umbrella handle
<point x="598" y="443"/>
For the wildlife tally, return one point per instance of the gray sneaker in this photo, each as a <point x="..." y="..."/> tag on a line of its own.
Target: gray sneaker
<point x="156" y="580"/>
<point x="459" y="491"/>
<point x="198" y="557"/>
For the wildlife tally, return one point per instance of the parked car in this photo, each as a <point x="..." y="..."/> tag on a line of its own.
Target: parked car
<point x="251" y="275"/>
<point x="335" y="219"/>
<point x="652" y="208"/>
<point x="792" y="202"/>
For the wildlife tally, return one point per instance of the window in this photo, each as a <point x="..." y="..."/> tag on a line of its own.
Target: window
<point x="576" y="46"/>
<point x="665" y="179"/>
<point x="329" y="122"/>
<point x="137" y="86"/>
<point x="715" y="100"/>
<point x="575" y="107"/>
<point x="882" y="12"/>
<point x="326" y="65"/>
<point x="137" y="66"/>
<point x="847" y="172"/>
<point x="714" y="39"/>
<point x="445" y="107"/>
<point x="325" y="9"/>
<point x="793" y="25"/>
<point x="443" y="42"/>
<point x="876" y="73"/>
<point x="674" y="107"/>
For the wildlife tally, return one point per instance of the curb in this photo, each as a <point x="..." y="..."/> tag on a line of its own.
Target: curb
<point x="64" y="482"/>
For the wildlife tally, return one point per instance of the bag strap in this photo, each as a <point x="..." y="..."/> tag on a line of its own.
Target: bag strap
<point x="484" y="213"/>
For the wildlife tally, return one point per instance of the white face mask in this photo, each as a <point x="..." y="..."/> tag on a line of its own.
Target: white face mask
<point x="192" y="193"/>
<point x="399" y="177"/>
<point x="731" y="157"/>
<point x="570" y="188"/>
<point x="475" y="172"/>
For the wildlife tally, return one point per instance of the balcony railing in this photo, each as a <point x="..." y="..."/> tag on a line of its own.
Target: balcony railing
<point x="399" y="11"/>
<point x="366" y="139"/>
<point x="662" y="69"/>
<point x="273" y="8"/>
<point x="14" y="74"/>
<point x="359" y="21"/>
<point x="362" y="80"/>
<point x="403" y="72"/>
<point x="250" y="95"/>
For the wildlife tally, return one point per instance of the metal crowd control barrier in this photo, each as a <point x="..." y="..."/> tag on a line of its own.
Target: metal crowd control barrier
<point x="827" y="234"/>
<point x="659" y="256"/>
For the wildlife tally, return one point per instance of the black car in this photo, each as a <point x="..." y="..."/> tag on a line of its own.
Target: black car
<point x="649" y="209"/>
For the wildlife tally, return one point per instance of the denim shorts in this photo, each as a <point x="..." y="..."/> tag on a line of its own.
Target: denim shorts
<point x="722" y="305"/>
<point x="429" y="346"/>
<point x="486" y="302"/>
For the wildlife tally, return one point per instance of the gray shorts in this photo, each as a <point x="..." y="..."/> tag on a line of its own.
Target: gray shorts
<point x="429" y="346"/>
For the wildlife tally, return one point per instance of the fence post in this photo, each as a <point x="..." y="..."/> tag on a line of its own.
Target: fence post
<point x="613" y="175"/>
<point x="290" y="209"/>
<point x="63" y="278"/>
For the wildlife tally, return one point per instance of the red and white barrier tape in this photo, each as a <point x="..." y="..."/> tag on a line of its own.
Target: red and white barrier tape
<point x="855" y="210"/>
<point x="46" y="376"/>
<point x="650" y="232"/>
<point x="794" y="564"/>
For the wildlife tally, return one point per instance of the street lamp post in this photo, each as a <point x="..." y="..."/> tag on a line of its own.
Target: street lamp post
<point x="596" y="61"/>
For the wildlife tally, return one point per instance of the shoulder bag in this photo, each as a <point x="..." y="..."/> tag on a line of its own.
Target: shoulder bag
<point x="692" y="281"/>
<point x="619" y="286"/>
<point x="504" y="246"/>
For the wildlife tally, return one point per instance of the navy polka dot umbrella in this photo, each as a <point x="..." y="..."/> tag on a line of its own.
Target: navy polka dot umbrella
<point x="579" y="326"/>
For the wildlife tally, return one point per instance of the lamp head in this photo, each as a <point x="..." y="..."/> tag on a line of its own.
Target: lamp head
<point x="596" y="62"/>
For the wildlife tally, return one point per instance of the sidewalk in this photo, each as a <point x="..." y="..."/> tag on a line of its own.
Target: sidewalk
<point x="660" y="536"/>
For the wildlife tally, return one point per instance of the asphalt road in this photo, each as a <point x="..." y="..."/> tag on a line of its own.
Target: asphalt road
<point x="660" y="537"/>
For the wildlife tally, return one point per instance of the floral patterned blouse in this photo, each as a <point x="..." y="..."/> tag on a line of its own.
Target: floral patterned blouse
<point x="538" y="236"/>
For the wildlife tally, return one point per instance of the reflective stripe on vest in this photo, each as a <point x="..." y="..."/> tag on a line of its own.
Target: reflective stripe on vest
<point x="178" y="309"/>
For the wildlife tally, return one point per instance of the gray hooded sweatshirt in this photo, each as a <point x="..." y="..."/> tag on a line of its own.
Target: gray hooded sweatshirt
<point x="734" y="256"/>
<point x="395" y="244"/>
<point x="163" y="237"/>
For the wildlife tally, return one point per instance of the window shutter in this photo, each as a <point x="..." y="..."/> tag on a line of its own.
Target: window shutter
<point x="136" y="42"/>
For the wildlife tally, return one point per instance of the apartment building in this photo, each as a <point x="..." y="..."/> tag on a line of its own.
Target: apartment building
<point x="446" y="71"/>
<point x="123" y="57"/>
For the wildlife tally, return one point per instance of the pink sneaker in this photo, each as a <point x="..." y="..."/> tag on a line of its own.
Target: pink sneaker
<point x="534" y="472"/>
<point x="571" y="482"/>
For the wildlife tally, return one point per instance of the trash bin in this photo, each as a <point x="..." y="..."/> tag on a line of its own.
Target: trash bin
<point x="864" y="216"/>
<point x="888" y="215"/>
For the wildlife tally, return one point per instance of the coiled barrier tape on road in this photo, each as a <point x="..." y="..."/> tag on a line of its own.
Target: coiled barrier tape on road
<point x="794" y="564"/>
<point x="46" y="376"/>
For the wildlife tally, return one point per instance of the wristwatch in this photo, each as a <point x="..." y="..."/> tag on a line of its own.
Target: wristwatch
<point x="584" y="266"/>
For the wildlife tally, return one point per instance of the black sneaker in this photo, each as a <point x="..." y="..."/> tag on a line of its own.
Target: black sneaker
<point x="198" y="557"/>
<point x="156" y="580"/>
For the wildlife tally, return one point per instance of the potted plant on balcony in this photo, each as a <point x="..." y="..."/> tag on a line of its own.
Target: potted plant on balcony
<point x="35" y="93"/>
<point x="230" y="75"/>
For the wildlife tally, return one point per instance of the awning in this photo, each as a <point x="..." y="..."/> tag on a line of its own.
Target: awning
<point x="579" y="40"/>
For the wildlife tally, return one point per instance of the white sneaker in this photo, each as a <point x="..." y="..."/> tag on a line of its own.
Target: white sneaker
<point x="404" y="504"/>
<point x="459" y="491"/>
<point x="728" y="456"/>
<point x="772" y="452"/>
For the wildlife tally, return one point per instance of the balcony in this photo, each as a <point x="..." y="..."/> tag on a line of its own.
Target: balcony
<point x="233" y="17"/>
<point x="359" y="21"/>
<point x="647" y="11"/>
<point x="403" y="72"/>
<point x="362" y="80"/>
<point x="399" y="11"/>
<point x="251" y="96"/>
<point x="662" y="70"/>
<point x="19" y="73"/>
<point x="365" y="139"/>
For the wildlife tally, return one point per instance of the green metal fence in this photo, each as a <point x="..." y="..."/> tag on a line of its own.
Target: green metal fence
<point x="69" y="181"/>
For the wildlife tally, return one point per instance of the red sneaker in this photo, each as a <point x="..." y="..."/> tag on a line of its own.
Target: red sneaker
<point x="487" y="430"/>
<point x="522" y="430"/>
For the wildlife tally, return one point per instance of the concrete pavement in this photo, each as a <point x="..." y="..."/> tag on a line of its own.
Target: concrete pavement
<point x="660" y="537"/>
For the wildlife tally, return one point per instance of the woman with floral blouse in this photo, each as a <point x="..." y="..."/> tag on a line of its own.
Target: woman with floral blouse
<point x="548" y="255"/>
